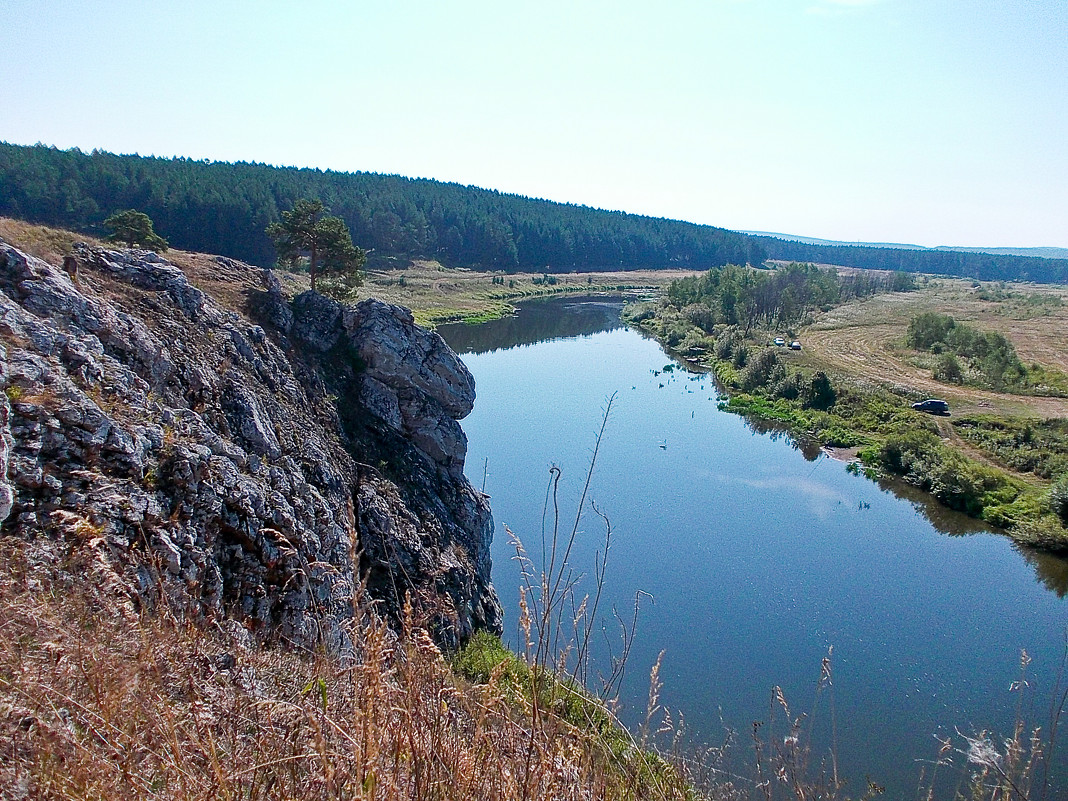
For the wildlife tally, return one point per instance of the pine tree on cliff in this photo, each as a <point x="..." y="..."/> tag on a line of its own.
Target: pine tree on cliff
<point x="306" y="229"/>
<point x="134" y="228"/>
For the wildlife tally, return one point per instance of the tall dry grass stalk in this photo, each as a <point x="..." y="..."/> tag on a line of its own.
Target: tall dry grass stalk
<point x="98" y="702"/>
<point x="1024" y="766"/>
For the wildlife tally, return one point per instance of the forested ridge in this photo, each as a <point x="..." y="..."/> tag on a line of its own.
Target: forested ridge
<point x="221" y="207"/>
<point x="967" y="264"/>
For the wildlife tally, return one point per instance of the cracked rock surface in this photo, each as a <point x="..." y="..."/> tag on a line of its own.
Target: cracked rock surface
<point x="269" y="462"/>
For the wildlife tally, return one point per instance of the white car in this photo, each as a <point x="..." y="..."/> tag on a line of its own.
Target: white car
<point x="795" y="345"/>
<point x="780" y="341"/>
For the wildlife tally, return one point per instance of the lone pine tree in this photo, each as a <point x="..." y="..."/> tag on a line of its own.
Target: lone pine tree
<point x="307" y="229"/>
<point x="134" y="228"/>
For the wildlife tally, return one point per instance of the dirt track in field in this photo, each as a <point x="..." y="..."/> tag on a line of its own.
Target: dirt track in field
<point x="864" y="340"/>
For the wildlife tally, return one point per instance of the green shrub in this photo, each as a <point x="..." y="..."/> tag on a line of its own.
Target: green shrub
<point x="948" y="369"/>
<point x="762" y="370"/>
<point x="1046" y="532"/>
<point x="955" y="480"/>
<point x="928" y="328"/>
<point x="1026" y="445"/>
<point x="788" y="388"/>
<point x="821" y="393"/>
<point x="700" y="315"/>
<point x="483" y="655"/>
<point x="725" y="347"/>
<point x="1058" y="498"/>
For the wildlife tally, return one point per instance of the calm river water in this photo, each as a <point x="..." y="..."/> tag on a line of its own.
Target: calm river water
<point x="758" y="558"/>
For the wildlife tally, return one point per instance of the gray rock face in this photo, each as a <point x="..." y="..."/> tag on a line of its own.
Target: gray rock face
<point x="260" y="467"/>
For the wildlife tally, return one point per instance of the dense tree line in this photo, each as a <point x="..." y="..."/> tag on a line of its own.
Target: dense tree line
<point x="983" y="266"/>
<point x="225" y="208"/>
<point x="744" y="297"/>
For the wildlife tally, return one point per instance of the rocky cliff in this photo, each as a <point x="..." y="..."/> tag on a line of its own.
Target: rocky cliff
<point x="231" y="455"/>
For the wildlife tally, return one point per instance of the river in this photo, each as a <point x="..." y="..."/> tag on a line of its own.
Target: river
<point x="757" y="558"/>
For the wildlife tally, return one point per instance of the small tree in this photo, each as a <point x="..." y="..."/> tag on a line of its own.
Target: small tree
<point x="326" y="240"/>
<point x="762" y="370"/>
<point x="821" y="394"/>
<point x="134" y="228"/>
<point x="948" y="369"/>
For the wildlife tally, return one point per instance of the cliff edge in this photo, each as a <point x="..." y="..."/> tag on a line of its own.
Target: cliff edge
<point x="242" y="459"/>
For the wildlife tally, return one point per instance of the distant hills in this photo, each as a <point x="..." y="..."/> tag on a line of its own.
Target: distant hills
<point x="1042" y="253"/>
<point x="221" y="207"/>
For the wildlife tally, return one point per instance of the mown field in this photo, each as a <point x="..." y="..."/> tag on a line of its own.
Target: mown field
<point x="865" y="339"/>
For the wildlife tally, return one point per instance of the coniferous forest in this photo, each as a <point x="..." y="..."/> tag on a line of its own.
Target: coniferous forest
<point x="224" y="208"/>
<point x="983" y="266"/>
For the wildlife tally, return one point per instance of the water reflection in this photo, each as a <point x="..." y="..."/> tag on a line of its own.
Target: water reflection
<point x="775" y="431"/>
<point x="562" y="317"/>
<point x="1051" y="570"/>
<point x="946" y="520"/>
<point x="537" y="321"/>
<point x="757" y="560"/>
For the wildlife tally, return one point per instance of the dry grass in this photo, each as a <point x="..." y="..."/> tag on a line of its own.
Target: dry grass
<point x="96" y="702"/>
<point x="48" y="244"/>
<point x="438" y="294"/>
<point x="861" y="339"/>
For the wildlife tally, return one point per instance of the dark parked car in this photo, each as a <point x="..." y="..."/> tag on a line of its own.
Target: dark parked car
<point x="932" y="406"/>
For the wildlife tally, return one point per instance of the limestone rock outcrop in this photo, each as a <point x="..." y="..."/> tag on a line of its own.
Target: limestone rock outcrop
<point x="270" y="462"/>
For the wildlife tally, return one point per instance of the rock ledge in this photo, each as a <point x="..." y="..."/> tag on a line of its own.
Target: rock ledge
<point x="265" y="465"/>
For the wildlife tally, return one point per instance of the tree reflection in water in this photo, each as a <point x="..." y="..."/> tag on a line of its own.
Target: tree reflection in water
<point x="535" y="322"/>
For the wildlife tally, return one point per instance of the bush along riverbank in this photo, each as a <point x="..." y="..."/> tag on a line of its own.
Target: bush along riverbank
<point x="994" y="469"/>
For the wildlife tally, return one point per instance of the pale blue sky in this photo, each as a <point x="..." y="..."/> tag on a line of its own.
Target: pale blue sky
<point x="924" y="121"/>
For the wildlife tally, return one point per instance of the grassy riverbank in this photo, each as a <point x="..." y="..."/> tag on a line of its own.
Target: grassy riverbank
<point x="438" y="294"/>
<point x="998" y="457"/>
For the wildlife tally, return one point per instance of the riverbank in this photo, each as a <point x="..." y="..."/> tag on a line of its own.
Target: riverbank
<point x="758" y="554"/>
<point x="851" y="386"/>
<point x="438" y="294"/>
